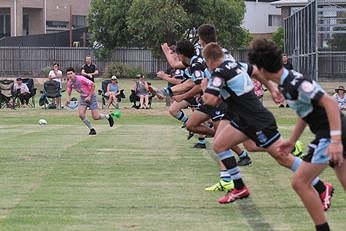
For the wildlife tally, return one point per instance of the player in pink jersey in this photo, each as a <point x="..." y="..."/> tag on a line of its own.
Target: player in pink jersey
<point x="86" y="88"/>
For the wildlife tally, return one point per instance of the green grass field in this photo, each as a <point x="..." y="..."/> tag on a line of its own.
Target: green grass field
<point x="140" y="175"/>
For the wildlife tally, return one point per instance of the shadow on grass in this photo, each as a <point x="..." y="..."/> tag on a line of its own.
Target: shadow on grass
<point x="253" y="216"/>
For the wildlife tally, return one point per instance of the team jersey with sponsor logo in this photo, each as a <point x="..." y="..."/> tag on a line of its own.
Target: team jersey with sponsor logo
<point x="232" y="82"/>
<point x="198" y="69"/>
<point x="302" y="95"/>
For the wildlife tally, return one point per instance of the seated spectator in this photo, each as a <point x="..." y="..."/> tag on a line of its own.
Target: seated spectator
<point x="113" y="91"/>
<point x="340" y="97"/>
<point x="22" y="92"/>
<point x="141" y="88"/>
<point x="56" y="75"/>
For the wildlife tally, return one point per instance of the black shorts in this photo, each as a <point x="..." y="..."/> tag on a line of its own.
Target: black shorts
<point x="193" y="103"/>
<point x="263" y="137"/>
<point x="214" y="113"/>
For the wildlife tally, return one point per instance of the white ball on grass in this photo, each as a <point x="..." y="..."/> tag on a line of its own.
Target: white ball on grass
<point x="42" y="122"/>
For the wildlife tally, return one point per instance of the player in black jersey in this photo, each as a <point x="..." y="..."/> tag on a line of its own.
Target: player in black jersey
<point x="315" y="109"/>
<point x="247" y="119"/>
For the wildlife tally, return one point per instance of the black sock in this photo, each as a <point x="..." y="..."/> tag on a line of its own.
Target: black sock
<point x="323" y="227"/>
<point x="320" y="188"/>
<point x="169" y="91"/>
<point x="238" y="183"/>
<point x="231" y="163"/>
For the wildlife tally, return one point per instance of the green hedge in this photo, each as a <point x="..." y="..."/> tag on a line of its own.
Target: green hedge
<point x="122" y="71"/>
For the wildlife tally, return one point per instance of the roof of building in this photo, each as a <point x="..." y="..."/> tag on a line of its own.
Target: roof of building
<point x="282" y="3"/>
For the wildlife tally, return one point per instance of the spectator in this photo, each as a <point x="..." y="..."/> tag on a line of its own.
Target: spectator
<point x="141" y="88"/>
<point x="340" y="97"/>
<point x="56" y="75"/>
<point x="113" y="91"/>
<point x="22" y="92"/>
<point x="286" y="63"/>
<point x="89" y="70"/>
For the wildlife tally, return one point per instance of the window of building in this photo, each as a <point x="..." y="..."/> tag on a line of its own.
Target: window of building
<point x="5" y="22"/>
<point x="25" y="24"/>
<point x="57" y="24"/>
<point x="274" y="20"/>
<point x="78" y="21"/>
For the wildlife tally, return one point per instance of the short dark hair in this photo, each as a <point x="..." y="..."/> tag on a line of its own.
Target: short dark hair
<point x="212" y="51"/>
<point x="55" y="64"/>
<point x="19" y="79"/>
<point x="70" y="69"/>
<point x="186" y="48"/>
<point x="265" y="54"/>
<point x="172" y="47"/>
<point x="207" y="33"/>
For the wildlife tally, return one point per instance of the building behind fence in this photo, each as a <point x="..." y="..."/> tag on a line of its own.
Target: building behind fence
<point x="31" y="61"/>
<point x="315" y="39"/>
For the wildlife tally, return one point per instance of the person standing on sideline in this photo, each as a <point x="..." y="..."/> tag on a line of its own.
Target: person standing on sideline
<point x="286" y="63"/>
<point x="316" y="109"/>
<point x="89" y="69"/>
<point x="86" y="89"/>
<point x="56" y="75"/>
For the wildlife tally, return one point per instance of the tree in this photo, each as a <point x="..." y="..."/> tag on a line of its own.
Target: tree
<point x="227" y="16"/>
<point x="152" y="22"/>
<point x="107" y="23"/>
<point x="148" y="23"/>
<point x="278" y="37"/>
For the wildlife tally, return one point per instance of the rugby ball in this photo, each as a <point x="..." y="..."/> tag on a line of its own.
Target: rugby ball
<point x="42" y="122"/>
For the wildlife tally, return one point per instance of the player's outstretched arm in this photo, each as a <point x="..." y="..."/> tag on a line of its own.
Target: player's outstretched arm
<point x="171" y="59"/>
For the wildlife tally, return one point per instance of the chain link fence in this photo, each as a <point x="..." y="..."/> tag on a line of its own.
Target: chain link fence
<point x="315" y="39"/>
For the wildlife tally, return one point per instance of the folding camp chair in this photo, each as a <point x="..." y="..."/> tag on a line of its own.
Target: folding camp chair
<point x="6" y="93"/>
<point x="51" y="89"/>
<point x="103" y="92"/>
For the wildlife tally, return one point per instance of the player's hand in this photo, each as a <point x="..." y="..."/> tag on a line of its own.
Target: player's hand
<point x="165" y="48"/>
<point x="160" y="74"/>
<point x="277" y="96"/>
<point x="87" y="99"/>
<point x="67" y="102"/>
<point x="285" y="148"/>
<point x="335" y="153"/>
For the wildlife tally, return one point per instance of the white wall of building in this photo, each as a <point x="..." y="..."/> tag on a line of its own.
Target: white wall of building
<point x="256" y="17"/>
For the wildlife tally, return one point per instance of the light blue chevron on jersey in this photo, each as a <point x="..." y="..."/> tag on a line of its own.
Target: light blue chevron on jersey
<point x="306" y="92"/>
<point x="241" y="83"/>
